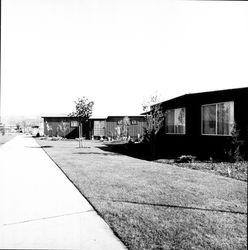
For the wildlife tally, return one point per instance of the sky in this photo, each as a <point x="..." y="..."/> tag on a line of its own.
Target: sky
<point x="118" y="53"/>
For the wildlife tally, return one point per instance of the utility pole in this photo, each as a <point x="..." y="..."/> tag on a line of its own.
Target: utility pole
<point x="79" y="132"/>
<point x="1" y="58"/>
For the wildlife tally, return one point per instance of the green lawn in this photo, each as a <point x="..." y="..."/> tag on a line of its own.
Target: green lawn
<point x="156" y="206"/>
<point x="5" y="138"/>
<point x="236" y="170"/>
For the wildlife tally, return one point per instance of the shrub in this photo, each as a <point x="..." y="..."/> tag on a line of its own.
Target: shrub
<point x="186" y="159"/>
<point x="234" y="145"/>
<point x="155" y="121"/>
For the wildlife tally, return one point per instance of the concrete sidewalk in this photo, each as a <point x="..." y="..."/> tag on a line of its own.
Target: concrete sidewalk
<point x="40" y="208"/>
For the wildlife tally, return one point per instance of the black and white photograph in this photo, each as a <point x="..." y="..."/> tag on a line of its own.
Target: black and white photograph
<point x="123" y="124"/>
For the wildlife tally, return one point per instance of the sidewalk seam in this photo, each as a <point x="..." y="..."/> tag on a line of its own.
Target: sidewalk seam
<point x="46" y="218"/>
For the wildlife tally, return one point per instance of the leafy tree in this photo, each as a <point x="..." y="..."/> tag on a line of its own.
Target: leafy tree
<point x="24" y="124"/>
<point x="124" y="127"/>
<point x="83" y="112"/>
<point x="83" y="108"/>
<point x="233" y="149"/>
<point x="18" y="126"/>
<point x="151" y="100"/>
<point x="155" y="120"/>
<point x="63" y="127"/>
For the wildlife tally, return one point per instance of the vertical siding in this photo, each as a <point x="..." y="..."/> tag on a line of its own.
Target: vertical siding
<point x="111" y="128"/>
<point x="57" y="126"/>
<point x="133" y="129"/>
<point x="98" y="128"/>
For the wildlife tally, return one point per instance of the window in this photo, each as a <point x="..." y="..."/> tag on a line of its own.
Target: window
<point x="74" y="124"/>
<point x="98" y="128"/>
<point x="218" y="119"/>
<point x="134" y="122"/>
<point x="175" y="121"/>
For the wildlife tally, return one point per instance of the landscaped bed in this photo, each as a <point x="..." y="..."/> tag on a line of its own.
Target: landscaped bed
<point x="236" y="170"/>
<point x="151" y="205"/>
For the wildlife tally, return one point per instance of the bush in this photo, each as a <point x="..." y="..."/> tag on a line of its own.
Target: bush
<point x="185" y="159"/>
<point x="233" y="150"/>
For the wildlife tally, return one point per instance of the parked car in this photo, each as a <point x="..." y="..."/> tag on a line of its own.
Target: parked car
<point x="36" y="131"/>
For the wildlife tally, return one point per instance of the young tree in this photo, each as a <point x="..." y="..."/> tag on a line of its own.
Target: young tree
<point x="233" y="149"/>
<point x="151" y="100"/>
<point x="125" y="127"/>
<point x="18" y="126"/>
<point x="63" y="127"/>
<point x="83" y="112"/>
<point x="155" y="120"/>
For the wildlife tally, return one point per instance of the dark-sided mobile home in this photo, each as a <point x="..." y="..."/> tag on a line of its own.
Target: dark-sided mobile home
<point x="112" y="127"/>
<point x="125" y="126"/>
<point x="203" y="124"/>
<point x="97" y="128"/>
<point x="63" y="126"/>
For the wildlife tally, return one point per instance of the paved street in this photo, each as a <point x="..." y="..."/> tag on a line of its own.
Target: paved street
<point x="40" y="208"/>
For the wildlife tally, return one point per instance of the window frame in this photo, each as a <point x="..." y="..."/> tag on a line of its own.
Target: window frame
<point x="216" y="112"/>
<point x="74" y="121"/>
<point x="167" y="133"/>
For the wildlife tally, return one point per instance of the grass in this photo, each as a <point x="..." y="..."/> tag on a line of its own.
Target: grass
<point x="5" y="138"/>
<point x="152" y="205"/>
<point x="237" y="170"/>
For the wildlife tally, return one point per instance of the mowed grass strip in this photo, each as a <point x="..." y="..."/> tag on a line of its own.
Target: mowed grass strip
<point x="156" y="206"/>
<point x="5" y="138"/>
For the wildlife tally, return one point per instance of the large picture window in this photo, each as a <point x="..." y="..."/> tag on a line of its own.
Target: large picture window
<point x="218" y="119"/>
<point x="175" y="121"/>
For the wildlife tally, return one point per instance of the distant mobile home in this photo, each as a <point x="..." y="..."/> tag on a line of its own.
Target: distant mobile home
<point x="125" y="126"/>
<point x="202" y="123"/>
<point x="112" y="127"/>
<point x="97" y="128"/>
<point x="60" y="125"/>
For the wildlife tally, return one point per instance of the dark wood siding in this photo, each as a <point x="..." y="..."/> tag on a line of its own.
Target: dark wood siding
<point x="193" y="142"/>
<point x="111" y="125"/>
<point x="59" y="126"/>
<point x="133" y="130"/>
<point x="137" y="129"/>
<point x="97" y="128"/>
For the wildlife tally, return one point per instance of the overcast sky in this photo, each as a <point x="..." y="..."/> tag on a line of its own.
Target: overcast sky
<point x="117" y="53"/>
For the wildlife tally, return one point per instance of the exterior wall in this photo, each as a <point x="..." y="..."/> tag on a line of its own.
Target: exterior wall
<point x="115" y="127"/>
<point x="111" y="125"/>
<point x="97" y="128"/>
<point x="137" y="129"/>
<point x="59" y="126"/>
<point x="193" y="142"/>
